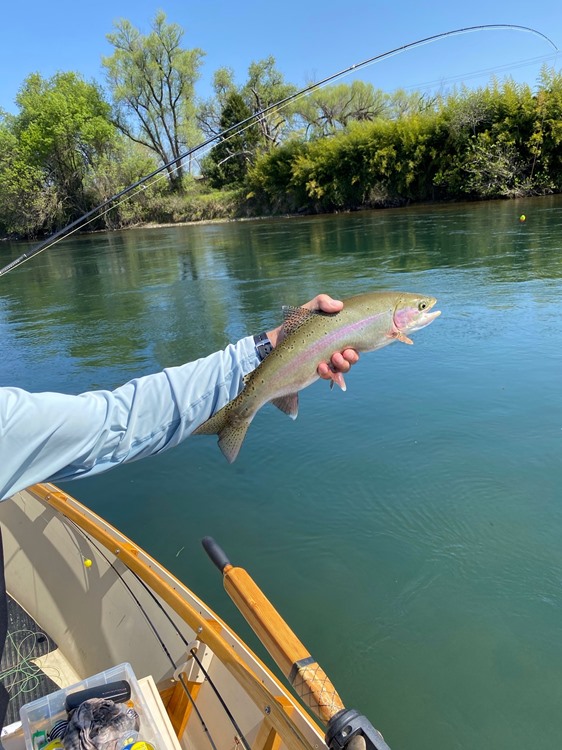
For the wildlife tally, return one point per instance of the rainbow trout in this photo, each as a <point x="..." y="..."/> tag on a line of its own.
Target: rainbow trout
<point x="367" y="322"/>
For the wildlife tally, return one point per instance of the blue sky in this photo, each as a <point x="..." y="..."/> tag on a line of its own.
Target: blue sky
<point x="310" y="39"/>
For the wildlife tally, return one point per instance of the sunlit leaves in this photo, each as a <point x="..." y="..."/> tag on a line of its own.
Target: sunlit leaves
<point x="501" y="141"/>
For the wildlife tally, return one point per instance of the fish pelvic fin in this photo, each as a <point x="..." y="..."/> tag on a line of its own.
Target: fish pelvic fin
<point x="288" y="404"/>
<point x="336" y="378"/>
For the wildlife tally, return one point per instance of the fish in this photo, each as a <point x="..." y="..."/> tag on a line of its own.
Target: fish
<point x="367" y="322"/>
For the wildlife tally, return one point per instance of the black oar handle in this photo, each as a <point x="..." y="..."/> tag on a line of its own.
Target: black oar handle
<point x="349" y="723"/>
<point x="217" y="555"/>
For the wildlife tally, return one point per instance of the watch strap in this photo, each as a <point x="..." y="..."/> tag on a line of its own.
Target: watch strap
<point x="263" y="345"/>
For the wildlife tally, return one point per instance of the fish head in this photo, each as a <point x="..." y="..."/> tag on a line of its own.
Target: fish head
<point x="414" y="311"/>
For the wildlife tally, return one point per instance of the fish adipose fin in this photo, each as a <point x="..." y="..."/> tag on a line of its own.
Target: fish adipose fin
<point x="289" y="404"/>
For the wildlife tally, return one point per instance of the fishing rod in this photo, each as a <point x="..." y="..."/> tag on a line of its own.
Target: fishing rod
<point x="227" y="133"/>
<point x="346" y="729"/>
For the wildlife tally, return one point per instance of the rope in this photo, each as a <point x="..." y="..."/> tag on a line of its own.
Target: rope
<point x="24" y="677"/>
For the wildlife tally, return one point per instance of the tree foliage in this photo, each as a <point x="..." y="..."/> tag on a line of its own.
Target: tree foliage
<point x="152" y="81"/>
<point x="498" y="142"/>
<point x="61" y="132"/>
<point x="24" y="204"/>
<point x="343" y="147"/>
<point x="231" y="158"/>
<point x="331" y="109"/>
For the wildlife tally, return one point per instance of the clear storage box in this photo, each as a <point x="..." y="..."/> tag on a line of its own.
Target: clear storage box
<point x="41" y="715"/>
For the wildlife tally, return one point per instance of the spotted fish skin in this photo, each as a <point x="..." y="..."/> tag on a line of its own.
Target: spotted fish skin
<point x="367" y="322"/>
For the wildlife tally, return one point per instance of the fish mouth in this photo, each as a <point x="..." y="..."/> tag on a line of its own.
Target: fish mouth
<point x="410" y="318"/>
<point x="428" y="317"/>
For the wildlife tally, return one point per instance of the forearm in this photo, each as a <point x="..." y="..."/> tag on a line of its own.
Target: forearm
<point x="55" y="436"/>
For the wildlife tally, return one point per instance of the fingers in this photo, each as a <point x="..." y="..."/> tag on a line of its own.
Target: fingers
<point x="339" y="362"/>
<point x="325" y="303"/>
<point x="342" y="361"/>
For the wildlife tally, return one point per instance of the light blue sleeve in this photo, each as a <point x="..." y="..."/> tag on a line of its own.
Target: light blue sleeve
<point x="52" y="436"/>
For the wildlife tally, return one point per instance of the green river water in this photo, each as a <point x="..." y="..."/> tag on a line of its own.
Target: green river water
<point x="410" y="529"/>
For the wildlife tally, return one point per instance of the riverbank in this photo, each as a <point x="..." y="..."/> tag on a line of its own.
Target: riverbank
<point x="240" y="216"/>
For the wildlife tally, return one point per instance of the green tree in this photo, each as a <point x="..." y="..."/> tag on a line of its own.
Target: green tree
<point x="494" y="169"/>
<point x="332" y="108"/>
<point x="546" y="139"/>
<point x="124" y="165"/>
<point x="403" y="103"/>
<point x="264" y="88"/>
<point x="152" y="81"/>
<point x="228" y="162"/>
<point x="24" y="205"/>
<point x="60" y="133"/>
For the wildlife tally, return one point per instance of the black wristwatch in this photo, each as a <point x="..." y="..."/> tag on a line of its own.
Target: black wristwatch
<point x="263" y="345"/>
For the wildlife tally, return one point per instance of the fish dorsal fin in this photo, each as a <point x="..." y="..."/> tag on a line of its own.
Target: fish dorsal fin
<point x="294" y="317"/>
<point x="289" y="404"/>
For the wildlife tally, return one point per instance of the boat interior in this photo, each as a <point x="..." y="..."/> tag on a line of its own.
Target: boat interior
<point x="84" y="600"/>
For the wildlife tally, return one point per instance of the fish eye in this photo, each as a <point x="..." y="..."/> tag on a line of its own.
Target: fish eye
<point x="422" y="306"/>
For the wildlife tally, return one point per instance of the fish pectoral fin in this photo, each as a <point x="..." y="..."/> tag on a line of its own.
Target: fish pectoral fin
<point x="399" y="336"/>
<point x="288" y="404"/>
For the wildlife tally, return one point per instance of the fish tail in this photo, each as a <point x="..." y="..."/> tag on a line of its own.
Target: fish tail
<point x="231" y="438"/>
<point x="214" y="424"/>
<point x="231" y="432"/>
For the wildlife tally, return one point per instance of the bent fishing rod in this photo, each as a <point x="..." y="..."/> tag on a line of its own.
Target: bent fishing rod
<point x="114" y="200"/>
<point x="346" y="728"/>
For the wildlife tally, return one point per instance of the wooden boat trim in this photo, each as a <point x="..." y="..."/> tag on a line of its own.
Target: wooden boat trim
<point x="277" y="710"/>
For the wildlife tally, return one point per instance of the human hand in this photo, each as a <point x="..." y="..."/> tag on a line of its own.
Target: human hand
<point x="340" y="362"/>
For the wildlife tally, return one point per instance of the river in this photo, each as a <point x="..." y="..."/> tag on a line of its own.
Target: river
<point x="409" y="529"/>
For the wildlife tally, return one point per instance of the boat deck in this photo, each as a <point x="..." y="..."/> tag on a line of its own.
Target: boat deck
<point x="32" y="667"/>
<point x="22" y="678"/>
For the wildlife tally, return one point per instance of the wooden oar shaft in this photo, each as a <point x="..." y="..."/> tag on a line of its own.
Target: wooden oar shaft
<point x="306" y="676"/>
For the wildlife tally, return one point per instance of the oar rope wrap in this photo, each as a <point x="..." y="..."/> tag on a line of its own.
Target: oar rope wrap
<point x="173" y="165"/>
<point x="315" y="688"/>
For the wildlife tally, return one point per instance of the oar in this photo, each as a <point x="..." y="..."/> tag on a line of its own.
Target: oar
<point x="346" y="728"/>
